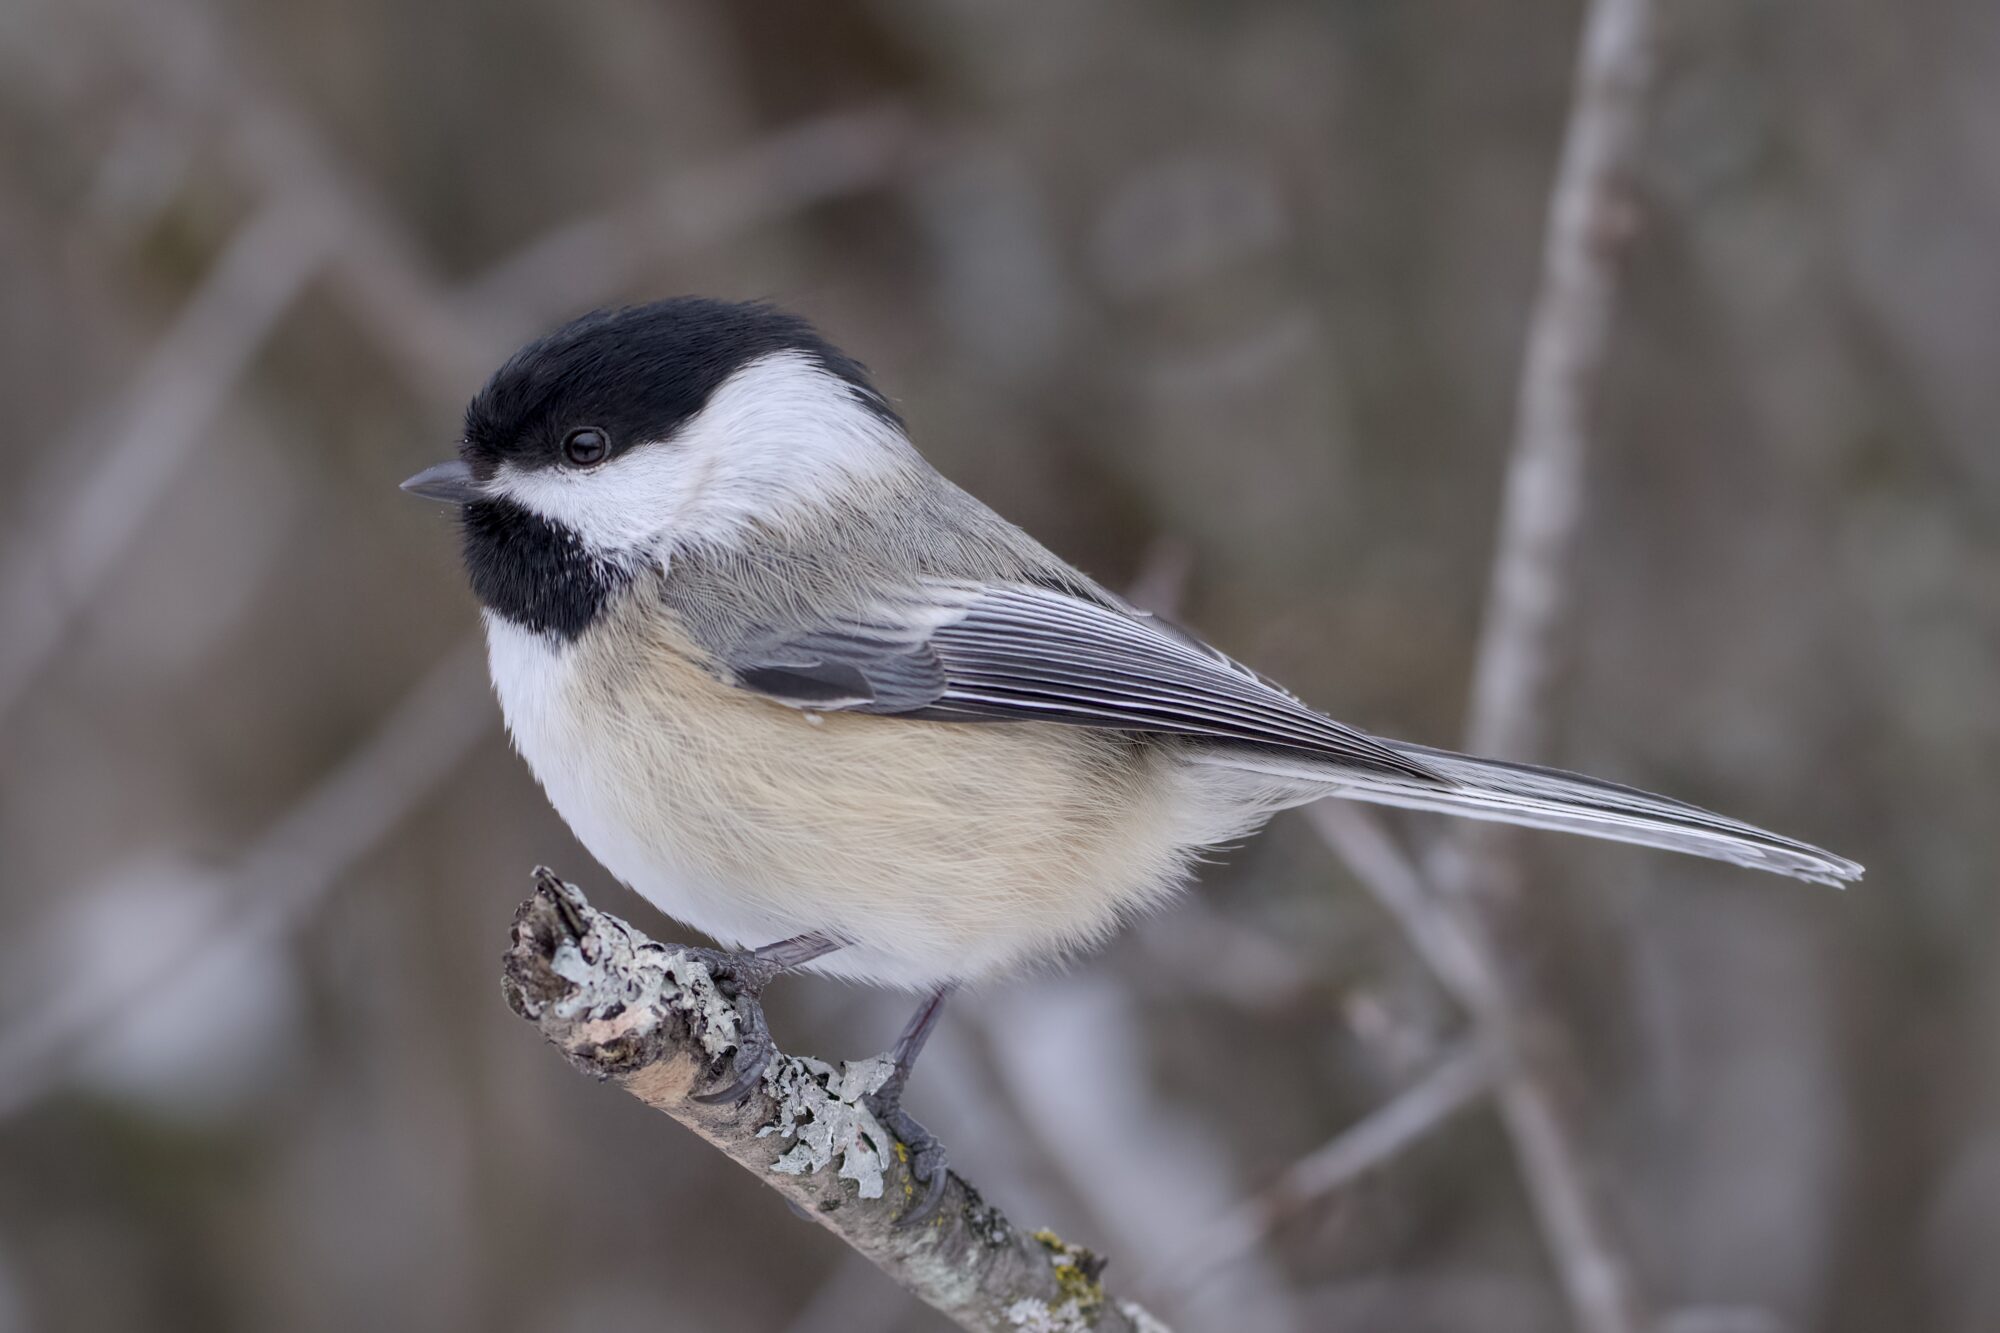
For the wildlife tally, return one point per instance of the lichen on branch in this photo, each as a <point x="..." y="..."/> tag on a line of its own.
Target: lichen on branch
<point x="649" y="1017"/>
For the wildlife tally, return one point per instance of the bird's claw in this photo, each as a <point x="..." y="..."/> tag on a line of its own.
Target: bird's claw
<point x="741" y="978"/>
<point x="749" y="1064"/>
<point x="927" y="1164"/>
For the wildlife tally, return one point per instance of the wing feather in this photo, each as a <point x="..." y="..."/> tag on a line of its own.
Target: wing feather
<point x="1024" y="653"/>
<point x="972" y="653"/>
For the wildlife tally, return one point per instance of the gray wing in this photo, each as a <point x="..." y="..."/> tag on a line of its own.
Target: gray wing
<point x="962" y="653"/>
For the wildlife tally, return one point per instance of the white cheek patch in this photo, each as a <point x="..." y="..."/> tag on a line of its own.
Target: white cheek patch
<point x="781" y="431"/>
<point x="623" y="506"/>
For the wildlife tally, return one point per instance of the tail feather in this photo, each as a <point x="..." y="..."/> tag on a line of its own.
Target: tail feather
<point x="1567" y="802"/>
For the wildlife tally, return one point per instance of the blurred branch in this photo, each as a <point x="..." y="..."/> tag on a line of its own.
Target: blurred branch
<point x="1460" y="933"/>
<point x="1591" y="217"/>
<point x="1458" y="1080"/>
<point x="1107" y="1134"/>
<point x="1429" y="920"/>
<point x="378" y="271"/>
<point x="444" y="342"/>
<point x="1462" y="920"/>
<point x="649" y="1017"/>
<point x="54" y="569"/>
<point x="598" y="257"/>
<point x="289" y="869"/>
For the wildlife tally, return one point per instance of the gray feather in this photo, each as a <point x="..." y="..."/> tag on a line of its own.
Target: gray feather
<point x="1015" y="653"/>
<point x="923" y="603"/>
<point x="1549" y="798"/>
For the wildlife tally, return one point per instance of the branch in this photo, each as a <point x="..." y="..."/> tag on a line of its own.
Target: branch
<point x="1463" y="919"/>
<point x="1591" y="216"/>
<point x="56" y="567"/>
<point x="597" y="257"/>
<point x="649" y="1017"/>
<point x="283" y="876"/>
<point x="1433" y="923"/>
<point x="376" y="270"/>
<point x="1457" y="1081"/>
<point x="444" y="342"/>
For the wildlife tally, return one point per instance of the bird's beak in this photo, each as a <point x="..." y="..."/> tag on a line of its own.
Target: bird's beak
<point x="450" y="482"/>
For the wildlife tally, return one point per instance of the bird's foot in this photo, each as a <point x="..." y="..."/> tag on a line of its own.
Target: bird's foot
<point x="741" y="978"/>
<point x="926" y="1160"/>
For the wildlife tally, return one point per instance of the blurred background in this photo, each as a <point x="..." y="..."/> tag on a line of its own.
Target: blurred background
<point x="1225" y="302"/>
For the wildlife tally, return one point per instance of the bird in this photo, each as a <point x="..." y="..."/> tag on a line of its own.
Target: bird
<point x="801" y="692"/>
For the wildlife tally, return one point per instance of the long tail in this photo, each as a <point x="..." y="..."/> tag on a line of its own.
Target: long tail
<point x="1552" y="799"/>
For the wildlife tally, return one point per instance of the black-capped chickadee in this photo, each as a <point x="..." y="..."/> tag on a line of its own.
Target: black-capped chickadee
<point x="803" y="693"/>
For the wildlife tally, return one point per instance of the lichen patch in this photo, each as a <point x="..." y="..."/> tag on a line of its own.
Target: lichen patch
<point x="1032" y="1315"/>
<point x="1077" y="1273"/>
<point x="1142" y="1319"/>
<point x="821" y="1109"/>
<point x="715" y="1018"/>
<point x="621" y="986"/>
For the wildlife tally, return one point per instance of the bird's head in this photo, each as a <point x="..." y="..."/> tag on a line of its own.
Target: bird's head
<point x="629" y="431"/>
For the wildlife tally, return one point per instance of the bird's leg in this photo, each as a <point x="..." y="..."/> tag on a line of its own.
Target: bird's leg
<point x="927" y="1160"/>
<point x="742" y="977"/>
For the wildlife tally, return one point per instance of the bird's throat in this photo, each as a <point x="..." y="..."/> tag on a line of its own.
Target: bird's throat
<point x="536" y="573"/>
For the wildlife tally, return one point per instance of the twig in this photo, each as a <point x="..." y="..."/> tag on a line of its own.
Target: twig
<point x="1461" y="931"/>
<point x="1429" y="919"/>
<point x="1584" y="1243"/>
<point x="1525" y="1045"/>
<point x="597" y="257"/>
<point x="649" y="1017"/>
<point x="1107" y="1134"/>
<point x="378" y="273"/>
<point x="289" y="869"/>
<point x="54" y="570"/>
<point x="1590" y="216"/>
<point x="1458" y="1080"/>
<point x="443" y="342"/>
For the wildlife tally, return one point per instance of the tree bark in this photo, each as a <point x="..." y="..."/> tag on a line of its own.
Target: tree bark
<point x="649" y="1017"/>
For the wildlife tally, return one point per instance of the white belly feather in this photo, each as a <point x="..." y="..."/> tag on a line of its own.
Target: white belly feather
<point x="939" y="850"/>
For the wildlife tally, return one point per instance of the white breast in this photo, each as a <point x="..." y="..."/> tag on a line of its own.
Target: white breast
<point x="587" y="770"/>
<point x="941" y="851"/>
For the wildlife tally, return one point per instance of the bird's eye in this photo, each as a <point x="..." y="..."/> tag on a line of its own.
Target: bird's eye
<point x="586" y="445"/>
